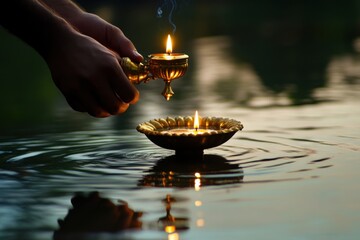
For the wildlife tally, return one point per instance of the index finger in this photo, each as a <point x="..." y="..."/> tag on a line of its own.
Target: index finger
<point x="122" y="86"/>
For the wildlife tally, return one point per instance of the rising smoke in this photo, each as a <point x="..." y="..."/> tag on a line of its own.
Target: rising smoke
<point x="171" y="6"/>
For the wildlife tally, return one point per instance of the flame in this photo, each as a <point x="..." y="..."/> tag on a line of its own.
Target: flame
<point x="196" y="121"/>
<point x="169" y="45"/>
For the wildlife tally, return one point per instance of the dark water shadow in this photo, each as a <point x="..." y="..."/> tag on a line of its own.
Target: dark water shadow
<point x="96" y="217"/>
<point x="94" y="214"/>
<point x="174" y="172"/>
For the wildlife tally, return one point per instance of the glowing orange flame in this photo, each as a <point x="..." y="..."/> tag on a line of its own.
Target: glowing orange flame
<point x="196" y="121"/>
<point x="169" y="45"/>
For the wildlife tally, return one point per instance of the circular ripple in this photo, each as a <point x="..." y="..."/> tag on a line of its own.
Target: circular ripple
<point x="97" y="158"/>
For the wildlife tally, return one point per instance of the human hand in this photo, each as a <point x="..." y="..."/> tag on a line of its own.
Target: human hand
<point x="89" y="75"/>
<point x="81" y="50"/>
<point x="106" y="34"/>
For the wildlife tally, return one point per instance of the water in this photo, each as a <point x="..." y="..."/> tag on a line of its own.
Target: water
<point x="291" y="173"/>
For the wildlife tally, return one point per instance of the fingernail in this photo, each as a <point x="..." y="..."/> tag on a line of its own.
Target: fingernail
<point x="136" y="98"/>
<point x="137" y="54"/>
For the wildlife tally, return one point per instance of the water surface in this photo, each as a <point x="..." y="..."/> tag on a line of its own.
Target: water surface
<point x="291" y="173"/>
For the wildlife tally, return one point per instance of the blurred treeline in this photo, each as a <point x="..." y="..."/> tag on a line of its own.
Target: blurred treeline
<point x="288" y="42"/>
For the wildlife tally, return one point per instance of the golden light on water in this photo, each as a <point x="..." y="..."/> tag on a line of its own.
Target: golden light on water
<point x="197" y="184"/>
<point x="173" y="236"/>
<point x="200" y="222"/>
<point x="170" y="229"/>
<point x="197" y="181"/>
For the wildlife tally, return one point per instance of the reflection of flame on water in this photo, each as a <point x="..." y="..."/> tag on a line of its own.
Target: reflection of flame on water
<point x="200" y="222"/>
<point x="93" y="214"/>
<point x="171" y="224"/>
<point x="198" y="203"/>
<point x="197" y="181"/>
<point x="173" y="172"/>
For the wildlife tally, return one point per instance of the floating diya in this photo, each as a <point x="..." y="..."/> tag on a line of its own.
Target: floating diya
<point x="189" y="136"/>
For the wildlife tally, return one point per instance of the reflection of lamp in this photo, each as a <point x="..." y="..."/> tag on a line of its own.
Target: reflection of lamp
<point x="169" y="223"/>
<point x="174" y="172"/>
<point x="93" y="213"/>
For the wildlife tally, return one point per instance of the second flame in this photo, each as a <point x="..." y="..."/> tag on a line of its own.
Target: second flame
<point x="196" y="121"/>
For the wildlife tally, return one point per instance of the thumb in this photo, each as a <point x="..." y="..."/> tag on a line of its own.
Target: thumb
<point x="136" y="56"/>
<point x="127" y="49"/>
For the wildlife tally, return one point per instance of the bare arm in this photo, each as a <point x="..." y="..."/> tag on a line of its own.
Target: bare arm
<point x="86" y="72"/>
<point x="92" y="25"/>
<point x="33" y="23"/>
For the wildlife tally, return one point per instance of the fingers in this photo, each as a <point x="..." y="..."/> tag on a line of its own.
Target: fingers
<point x="118" y="42"/>
<point x="100" y="103"/>
<point x="91" y="78"/>
<point x="120" y="46"/>
<point x="110" y="101"/>
<point x="75" y="104"/>
<point x="121" y="85"/>
<point x="89" y="103"/>
<point x="107" y="93"/>
<point x="127" y="49"/>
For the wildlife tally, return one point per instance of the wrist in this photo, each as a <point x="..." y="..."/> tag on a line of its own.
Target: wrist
<point x="38" y="26"/>
<point x="57" y="32"/>
<point x="65" y="9"/>
<point x="61" y="37"/>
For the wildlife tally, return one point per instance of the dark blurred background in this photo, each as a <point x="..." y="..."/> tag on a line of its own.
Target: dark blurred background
<point x="289" y="45"/>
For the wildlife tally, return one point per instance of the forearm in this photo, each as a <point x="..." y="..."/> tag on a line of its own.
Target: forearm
<point x="93" y="26"/>
<point x="33" y="23"/>
<point x="84" y="22"/>
<point x="65" y="9"/>
<point x="81" y="64"/>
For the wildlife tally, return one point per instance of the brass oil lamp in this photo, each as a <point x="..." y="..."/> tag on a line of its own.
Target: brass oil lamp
<point x="188" y="135"/>
<point x="167" y="66"/>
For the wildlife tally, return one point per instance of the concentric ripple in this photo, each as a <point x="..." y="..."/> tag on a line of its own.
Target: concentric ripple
<point x="42" y="171"/>
<point x="129" y="159"/>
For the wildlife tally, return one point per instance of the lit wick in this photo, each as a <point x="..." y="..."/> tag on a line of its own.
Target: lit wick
<point x="169" y="45"/>
<point x="196" y="121"/>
